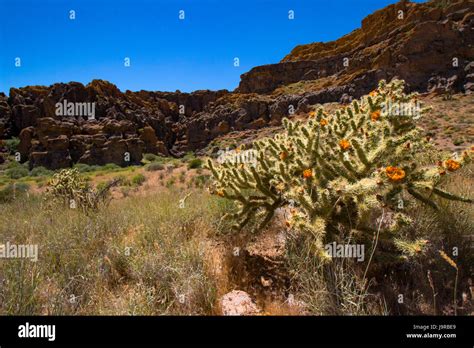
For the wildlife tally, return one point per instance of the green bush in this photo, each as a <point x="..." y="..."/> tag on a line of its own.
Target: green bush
<point x="22" y="187"/>
<point x="154" y="166"/>
<point x="150" y="157"/>
<point x="85" y="168"/>
<point x="138" y="179"/>
<point x="122" y="180"/>
<point x="195" y="163"/>
<point x="110" y="166"/>
<point x="40" y="171"/>
<point x="101" y="186"/>
<point x="17" y="172"/>
<point x="165" y="159"/>
<point x="12" y="145"/>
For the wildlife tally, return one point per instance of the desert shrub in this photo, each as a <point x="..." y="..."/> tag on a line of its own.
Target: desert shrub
<point x="166" y="159"/>
<point x="68" y="185"/>
<point x="85" y="168"/>
<point x="69" y="188"/>
<point x="353" y="171"/>
<point x="85" y="256"/>
<point x="195" y="163"/>
<point x="138" y="179"/>
<point x="110" y="167"/>
<point x="12" y="144"/>
<point x="150" y="157"/>
<point x="154" y="166"/>
<point x="22" y="187"/>
<point x="102" y="185"/>
<point x="17" y="172"/>
<point x="40" y="171"/>
<point x="122" y="180"/>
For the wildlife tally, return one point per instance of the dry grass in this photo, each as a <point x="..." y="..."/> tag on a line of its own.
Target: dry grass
<point x="138" y="256"/>
<point x="177" y="257"/>
<point x="339" y="288"/>
<point x="176" y="261"/>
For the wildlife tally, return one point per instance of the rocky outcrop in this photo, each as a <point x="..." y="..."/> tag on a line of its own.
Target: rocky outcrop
<point x="124" y="125"/>
<point x="428" y="45"/>
<point x="56" y="144"/>
<point x="411" y="41"/>
<point x="53" y="141"/>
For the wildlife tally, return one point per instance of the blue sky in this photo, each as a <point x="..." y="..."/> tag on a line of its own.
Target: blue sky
<point x="166" y="53"/>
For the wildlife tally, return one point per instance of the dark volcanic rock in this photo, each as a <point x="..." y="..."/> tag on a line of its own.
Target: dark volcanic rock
<point x="125" y="126"/>
<point x="431" y="48"/>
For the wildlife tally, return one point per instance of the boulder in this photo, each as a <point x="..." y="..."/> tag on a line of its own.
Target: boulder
<point x="238" y="302"/>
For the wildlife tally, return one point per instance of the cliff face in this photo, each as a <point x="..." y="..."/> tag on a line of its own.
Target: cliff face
<point x="414" y="42"/>
<point x="420" y="48"/>
<point x="124" y="125"/>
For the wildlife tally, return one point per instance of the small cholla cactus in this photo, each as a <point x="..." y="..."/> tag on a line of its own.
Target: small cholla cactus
<point x="69" y="188"/>
<point x="339" y="169"/>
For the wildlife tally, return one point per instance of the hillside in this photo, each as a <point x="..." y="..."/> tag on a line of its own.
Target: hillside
<point x="414" y="42"/>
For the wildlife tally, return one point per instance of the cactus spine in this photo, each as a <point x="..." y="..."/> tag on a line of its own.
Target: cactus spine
<point x="339" y="168"/>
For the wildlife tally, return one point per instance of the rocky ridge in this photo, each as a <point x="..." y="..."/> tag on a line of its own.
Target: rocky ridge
<point x="416" y="42"/>
<point x="431" y="47"/>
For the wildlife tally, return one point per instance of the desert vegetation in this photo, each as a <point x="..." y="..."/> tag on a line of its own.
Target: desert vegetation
<point x="171" y="237"/>
<point x="134" y="256"/>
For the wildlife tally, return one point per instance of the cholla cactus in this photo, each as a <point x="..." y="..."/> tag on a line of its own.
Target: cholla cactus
<point x="339" y="168"/>
<point x="68" y="187"/>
